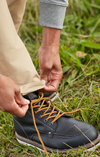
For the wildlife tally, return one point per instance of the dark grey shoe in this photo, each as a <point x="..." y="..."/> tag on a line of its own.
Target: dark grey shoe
<point x="58" y="130"/>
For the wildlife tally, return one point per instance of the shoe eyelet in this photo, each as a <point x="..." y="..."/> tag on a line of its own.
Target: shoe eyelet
<point x="49" y="133"/>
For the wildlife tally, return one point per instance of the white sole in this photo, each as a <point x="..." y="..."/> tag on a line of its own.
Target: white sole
<point x="94" y="147"/>
<point x="27" y="144"/>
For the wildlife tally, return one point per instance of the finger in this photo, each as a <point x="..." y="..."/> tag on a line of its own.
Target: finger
<point x="20" y="99"/>
<point x="50" y="89"/>
<point x="52" y="86"/>
<point x="44" y="75"/>
<point x="22" y="111"/>
<point x="19" y="111"/>
<point x="44" y="78"/>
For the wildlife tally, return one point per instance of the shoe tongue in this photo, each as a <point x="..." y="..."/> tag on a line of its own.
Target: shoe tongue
<point x="31" y="96"/>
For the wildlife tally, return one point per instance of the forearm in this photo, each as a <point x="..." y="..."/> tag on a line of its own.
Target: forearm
<point x="49" y="59"/>
<point x="52" y="13"/>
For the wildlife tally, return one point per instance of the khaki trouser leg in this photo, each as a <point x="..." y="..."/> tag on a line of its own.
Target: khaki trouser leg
<point x="16" y="8"/>
<point x="15" y="61"/>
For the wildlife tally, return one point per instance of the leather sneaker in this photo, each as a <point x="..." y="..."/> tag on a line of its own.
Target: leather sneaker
<point x="47" y="127"/>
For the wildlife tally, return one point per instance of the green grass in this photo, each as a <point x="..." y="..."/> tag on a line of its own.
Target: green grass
<point x="80" y="86"/>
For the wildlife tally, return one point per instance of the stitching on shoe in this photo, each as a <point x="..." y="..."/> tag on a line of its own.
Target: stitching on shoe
<point x="86" y="146"/>
<point x="32" y="136"/>
<point x="74" y="135"/>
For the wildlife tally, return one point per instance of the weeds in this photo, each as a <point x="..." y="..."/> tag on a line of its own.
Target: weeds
<point x="80" y="58"/>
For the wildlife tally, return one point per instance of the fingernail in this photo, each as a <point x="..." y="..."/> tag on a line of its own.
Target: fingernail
<point x="26" y="101"/>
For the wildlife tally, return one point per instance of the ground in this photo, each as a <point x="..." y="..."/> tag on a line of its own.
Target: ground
<point x="80" y="58"/>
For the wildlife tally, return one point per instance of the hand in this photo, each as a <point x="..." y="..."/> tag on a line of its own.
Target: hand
<point x="49" y="59"/>
<point x="50" y="68"/>
<point x="11" y="100"/>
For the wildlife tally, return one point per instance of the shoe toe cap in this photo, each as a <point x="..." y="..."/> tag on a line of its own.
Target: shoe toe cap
<point x="76" y="133"/>
<point x="83" y="138"/>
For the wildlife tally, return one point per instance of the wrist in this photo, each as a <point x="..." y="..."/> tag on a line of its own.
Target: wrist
<point x="50" y="49"/>
<point x="51" y="37"/>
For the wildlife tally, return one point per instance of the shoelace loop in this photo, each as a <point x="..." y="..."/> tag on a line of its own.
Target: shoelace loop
<point x="46" y="106"/>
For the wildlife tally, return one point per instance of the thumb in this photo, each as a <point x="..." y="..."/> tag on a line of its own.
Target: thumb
<point x="20" y="110"/>
<point x="44" y="75"/>
<point x="21" y="100"/>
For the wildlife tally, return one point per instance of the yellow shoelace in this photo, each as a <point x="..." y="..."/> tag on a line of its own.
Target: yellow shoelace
<point x="46" y="106"/>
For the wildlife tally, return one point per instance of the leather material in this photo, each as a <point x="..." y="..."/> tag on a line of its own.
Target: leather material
<point x="46" y="94"/>
<point x="63" y="132"/>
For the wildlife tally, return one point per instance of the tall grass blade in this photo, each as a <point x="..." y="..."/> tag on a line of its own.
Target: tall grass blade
<point x="90" y="45"/>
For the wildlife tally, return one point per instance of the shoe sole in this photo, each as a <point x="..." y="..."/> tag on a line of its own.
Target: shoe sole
<point x="89" y="146"/>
